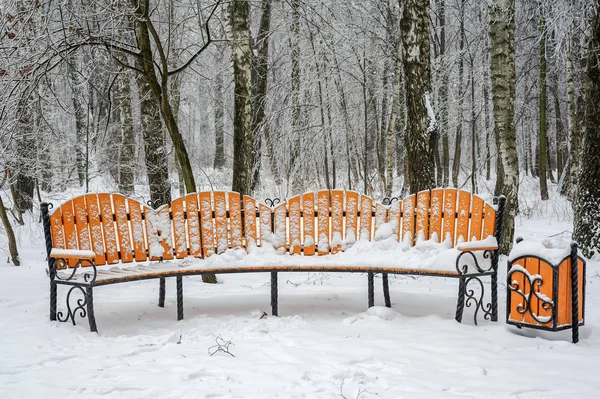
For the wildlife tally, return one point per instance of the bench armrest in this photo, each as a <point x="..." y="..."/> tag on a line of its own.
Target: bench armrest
<point x="489" y="244"/>
<point x="57" y="253"/>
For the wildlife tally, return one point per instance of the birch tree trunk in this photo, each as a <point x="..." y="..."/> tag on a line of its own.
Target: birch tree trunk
<point x="587" y="203"/>
<point x="75" y="68"/>
<point x="459" y="127"/>
<point x="296" y="145"/>
<point x="415" y="37"/>
<point x="543" y="161"/>
<point x="502" y="43"/>
<point x="126" y="165"/>
<point x="241" y="53"/>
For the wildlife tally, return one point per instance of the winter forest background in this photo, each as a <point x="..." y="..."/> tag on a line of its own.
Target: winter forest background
<point x="273" y="98"/>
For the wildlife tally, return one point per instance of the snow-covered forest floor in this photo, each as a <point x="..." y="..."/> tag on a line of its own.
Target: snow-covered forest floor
<point x="325" y="344"/>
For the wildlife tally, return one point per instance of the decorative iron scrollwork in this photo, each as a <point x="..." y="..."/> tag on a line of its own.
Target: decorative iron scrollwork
<point x="464" y="269"/>
<point x="272" y="202"/>
<point x="153" y="204"/>
<point x="535" y="282"/>
<point x="472" y="298"/>
<point x="388" y="201"/>
<point x="72" y="312"/>
<point x="90" y="278"/>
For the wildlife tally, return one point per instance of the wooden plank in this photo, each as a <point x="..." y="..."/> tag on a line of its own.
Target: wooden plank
<point x="81" y="223"/>
<point x="533" y="267"/>
<point x="449" y="221"/>
<point x="108" y="227"/>
<point x="408" y="219"/>
<point x="266" y="234"/>
<point x="96" y="234"/>
<point x="69" y="228"/>
<point x="279" y="228"/>
<point x="462" y="220"/>
<point x="436" y="208"/>
<point x="220" y="208"/>
<point x="547" y="273"/>
<point x="206" y="220"/>
<point x="193" y="225"/>
<point x="308" y="211"/>
<point x="366" y="216"/>
<point x="395" y="218"/>
<point x="126" y="251"/>
<point x="580" y="283"/>
<point x="295" y="225"/>
<point x="137" y="230"/>
<point x="58" y="235"/>
<point x="476" y="223"/>
<point x="351" y="217"/>
<point x="323" y="220"/>
<point x="422" y="216"/>
<point x="235" y="219"/>
<point x="564" y="315"/>
<point x="337" y="220"/>
<point x="159" y="232"/>
<point x="381" y="214"/>
<point x="250" y="221"/>
<point x="179" y="229"/>
<point x="489" y="221"/>
<point x="516" y="300"/>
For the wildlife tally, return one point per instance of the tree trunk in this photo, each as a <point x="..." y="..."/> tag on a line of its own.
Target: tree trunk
<point x="77" y="82"/>
<point x="587" y="203"/>
<point x="23" y="164"/>
<point x="10" y="234"/>
<point x="126" y="165"/>
<point x="543" y="140"/>
<point x="415" y="36"/>
<point x="391" y="128"/>
<point x="459" y="127"/>
<point x="574" y="132"/>
<point x="473" y="131"/>
<point x="502" y="40"/>
<point x="296" y="146"/>
<point x="241" y="53"/>
<point x="219" y="106"/>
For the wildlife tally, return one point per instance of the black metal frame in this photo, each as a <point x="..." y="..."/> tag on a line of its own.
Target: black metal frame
<point x="85" y="306"/>
<point x="535" y="282"/>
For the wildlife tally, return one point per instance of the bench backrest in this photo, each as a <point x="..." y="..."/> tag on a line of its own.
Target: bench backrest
<point x="120" y="229"/>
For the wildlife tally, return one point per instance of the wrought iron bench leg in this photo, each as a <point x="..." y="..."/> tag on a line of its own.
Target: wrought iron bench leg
<point x="371" y="290"/>
<point x="274" y="292"/>
<point x="386" y="290"/>
<point x="179" y="298"/>
<point x="161" y="293"/>
<point x="53" y="295"/>
<point x="460" y="304"/>
<point x="90" y="309"/>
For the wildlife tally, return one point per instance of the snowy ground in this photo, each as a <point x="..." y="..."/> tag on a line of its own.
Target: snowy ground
<point x="325" y="344"/>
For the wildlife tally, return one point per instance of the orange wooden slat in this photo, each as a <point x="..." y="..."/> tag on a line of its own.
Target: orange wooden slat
<point x="435" y="214"/>
<point x="81" y="223"/>
<point x="581" y="274"/>
<point x="422" y="216"/>
<point x="180" y="243"/>
<point x="462" y="220"/>
<point x="395" y="218"/>
<point x="323" y="219"/>
<point x="337" y="220"/>
<point x="564" y="293"/>
<point x="295" y="224"/>
<point x="159" y="230"/>
<point x="489" y="221"/>
<point x="126" y="250"/>
<point x="381" y="214"/>
<point x="193" y="225"/>
<point x="266" y="235"/>
<point x="108" y="227"/>
<point x="533" y="267"/>
<point x="137" y="230"/>
<point x="547" y="273"/>
<point x="69" y="228"/>
<point x="235" y="219"/>
<point x="449" y="221"/>
<point x="476" y="218"/>
<point x="96" y="232"/>
<point x="516" y="300"/>
<point x="308" y="211"/>
<point x="250" y="221"/>
<point x="279" y="228"/>
<point x="351" y="217"/>
<point x="220" y="208"/>
<point x="206" y="220"/>
<point x="58" y="236"/>
<point x="366" y="216"/>
<point x="408" y="219"/>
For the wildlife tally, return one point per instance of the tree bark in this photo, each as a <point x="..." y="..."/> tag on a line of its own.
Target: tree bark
<point x="502" y="40"/>
<point x="10" y="234"/>
<point x="587" y="203"/>
<point x="415" y="36"/>
<point x="126" y="164"/>
<point x="543" y="100"/>
<point x="459" y="127"/>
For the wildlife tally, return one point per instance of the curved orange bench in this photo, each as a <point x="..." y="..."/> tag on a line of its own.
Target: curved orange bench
<point x="88" y="235"/>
